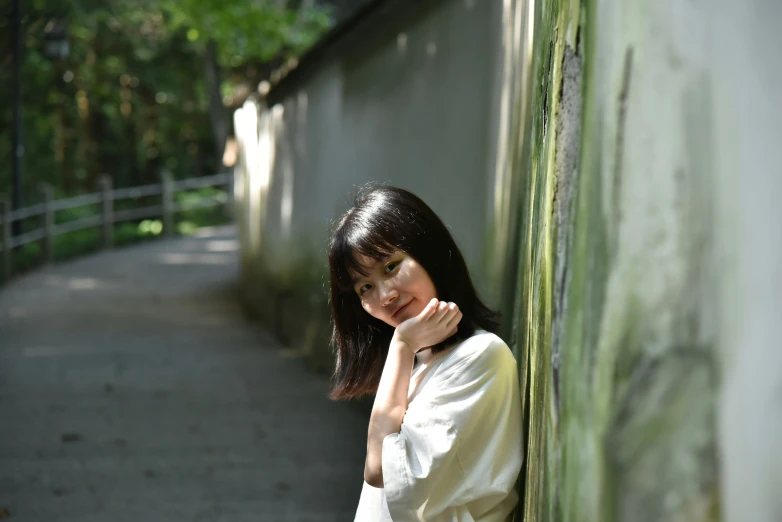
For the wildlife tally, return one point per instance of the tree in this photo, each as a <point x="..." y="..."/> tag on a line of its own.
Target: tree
<point x="135" y="93"/>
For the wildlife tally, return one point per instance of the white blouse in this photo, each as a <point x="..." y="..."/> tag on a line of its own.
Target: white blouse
<point x="459" y="451"/>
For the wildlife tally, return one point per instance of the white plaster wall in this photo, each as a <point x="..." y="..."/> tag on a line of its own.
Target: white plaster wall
<point x="746" y="78"/>
<point x="413" y="106"/>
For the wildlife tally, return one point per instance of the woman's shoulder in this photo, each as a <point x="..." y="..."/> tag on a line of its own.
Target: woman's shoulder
<point x="483" y="350"/>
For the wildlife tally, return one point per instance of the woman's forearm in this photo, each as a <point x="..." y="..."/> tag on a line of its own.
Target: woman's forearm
<point x="389" y="407"/>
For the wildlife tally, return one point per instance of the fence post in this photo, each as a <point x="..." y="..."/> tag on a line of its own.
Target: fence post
<point x="106" y="211"/>
<point x="167" y="193"/>
<point x="5" y="236"/>
<point x="48" y="222"/>
<point x="228" y="210"/>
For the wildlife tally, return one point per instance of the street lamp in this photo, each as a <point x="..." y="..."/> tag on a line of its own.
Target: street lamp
<point x="17" y="149"/>
<point x="56" y="48"/>
<point x="55" y="41"/>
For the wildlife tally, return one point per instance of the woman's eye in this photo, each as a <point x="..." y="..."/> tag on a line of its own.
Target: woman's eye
<point x="364" y="289"/>
<point x="390" y="267"/>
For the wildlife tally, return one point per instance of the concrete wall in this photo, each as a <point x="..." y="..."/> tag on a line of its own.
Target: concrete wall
<point x="650" y="286"/>
<point x="413" y="102"/>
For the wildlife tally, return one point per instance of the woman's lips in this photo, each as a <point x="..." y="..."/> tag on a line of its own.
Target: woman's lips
<point x="396" y="314"/>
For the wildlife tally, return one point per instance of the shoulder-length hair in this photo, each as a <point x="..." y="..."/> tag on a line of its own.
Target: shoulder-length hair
<point x="384" y="219"/>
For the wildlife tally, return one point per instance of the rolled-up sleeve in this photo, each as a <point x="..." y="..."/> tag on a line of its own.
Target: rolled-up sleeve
<point x="421" y="471"/>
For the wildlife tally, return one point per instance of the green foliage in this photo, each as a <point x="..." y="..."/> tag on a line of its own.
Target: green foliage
<point x="248" y="30"/>
<point x="130" y="99"/>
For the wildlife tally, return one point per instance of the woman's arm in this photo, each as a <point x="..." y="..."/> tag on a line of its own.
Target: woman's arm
<point x="436" y="322"/>
<point x="389" y="407"/>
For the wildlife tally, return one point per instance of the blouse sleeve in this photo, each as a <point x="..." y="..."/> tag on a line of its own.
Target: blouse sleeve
<point x="415" y="458"/>
<point x="372" y="506"/>
<point x="465" y="408"/>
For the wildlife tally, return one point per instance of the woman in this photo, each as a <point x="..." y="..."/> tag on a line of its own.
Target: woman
<point x="444" y="440"/>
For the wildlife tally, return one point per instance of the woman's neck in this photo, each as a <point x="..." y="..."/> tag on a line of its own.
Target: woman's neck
<point x="426" y="355"/>
<point x="423" y="356"/>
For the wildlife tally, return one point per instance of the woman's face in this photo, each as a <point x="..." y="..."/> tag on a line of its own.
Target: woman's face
<point x="397" y="288"/>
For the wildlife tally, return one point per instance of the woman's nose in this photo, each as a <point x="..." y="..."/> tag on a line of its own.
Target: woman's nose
<point x="388" y="294"/>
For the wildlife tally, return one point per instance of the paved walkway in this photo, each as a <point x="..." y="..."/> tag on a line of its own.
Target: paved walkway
<point x="133" y="389"/>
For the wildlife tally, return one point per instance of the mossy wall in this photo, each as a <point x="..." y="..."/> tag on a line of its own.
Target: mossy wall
<point x="620" y="358"/>
<point x="633" y="283"/>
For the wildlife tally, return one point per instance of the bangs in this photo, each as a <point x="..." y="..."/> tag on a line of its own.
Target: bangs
<point x="358" y="241"/>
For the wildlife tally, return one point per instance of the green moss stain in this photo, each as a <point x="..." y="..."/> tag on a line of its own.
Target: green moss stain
<point x="621" y="403"/>
<point x="555" y="26"/>
<point x="287" y="291"/>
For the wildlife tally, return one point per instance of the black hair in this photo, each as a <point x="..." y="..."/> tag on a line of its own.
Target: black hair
<point x="384" y="219"/>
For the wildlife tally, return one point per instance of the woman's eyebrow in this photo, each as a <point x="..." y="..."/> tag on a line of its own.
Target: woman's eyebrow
<point x="355" y="278"/>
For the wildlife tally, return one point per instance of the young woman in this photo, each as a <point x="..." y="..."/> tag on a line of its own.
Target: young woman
<point x="445" y="439"/>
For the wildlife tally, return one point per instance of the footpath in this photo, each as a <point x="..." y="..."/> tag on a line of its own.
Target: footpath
<point x="133" y="388"/>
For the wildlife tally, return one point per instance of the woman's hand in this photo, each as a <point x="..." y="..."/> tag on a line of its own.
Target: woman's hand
<point x="436" y="322"/>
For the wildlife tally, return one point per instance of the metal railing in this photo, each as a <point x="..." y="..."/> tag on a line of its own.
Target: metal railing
<point x="106" y="217"/>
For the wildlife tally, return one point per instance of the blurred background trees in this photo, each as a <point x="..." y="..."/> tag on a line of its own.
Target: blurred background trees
<point x="146" y="85"/>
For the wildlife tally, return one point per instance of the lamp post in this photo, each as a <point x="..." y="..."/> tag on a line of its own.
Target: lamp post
<point x="56" y="49"/>
<point x="17" y="149"/>
<point x="55" y="41"/>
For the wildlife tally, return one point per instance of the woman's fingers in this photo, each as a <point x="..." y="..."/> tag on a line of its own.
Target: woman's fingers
<point x="450" y="311"/>
<point x="442" y="310"/>
<point x="430" y="309"/>
<point x="435" y="322"/>
<point x="454" y="320"/>
<point x="446" y="312"/>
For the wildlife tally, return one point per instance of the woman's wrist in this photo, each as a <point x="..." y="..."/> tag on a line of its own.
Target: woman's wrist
<point x="400" y="343"/>
<point x="392" y="390"/>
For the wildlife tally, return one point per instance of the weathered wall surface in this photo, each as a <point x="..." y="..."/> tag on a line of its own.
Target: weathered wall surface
<point x="409" y="104"/>
<point x="649" y="282"/>
<point x="612" y="171"/>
